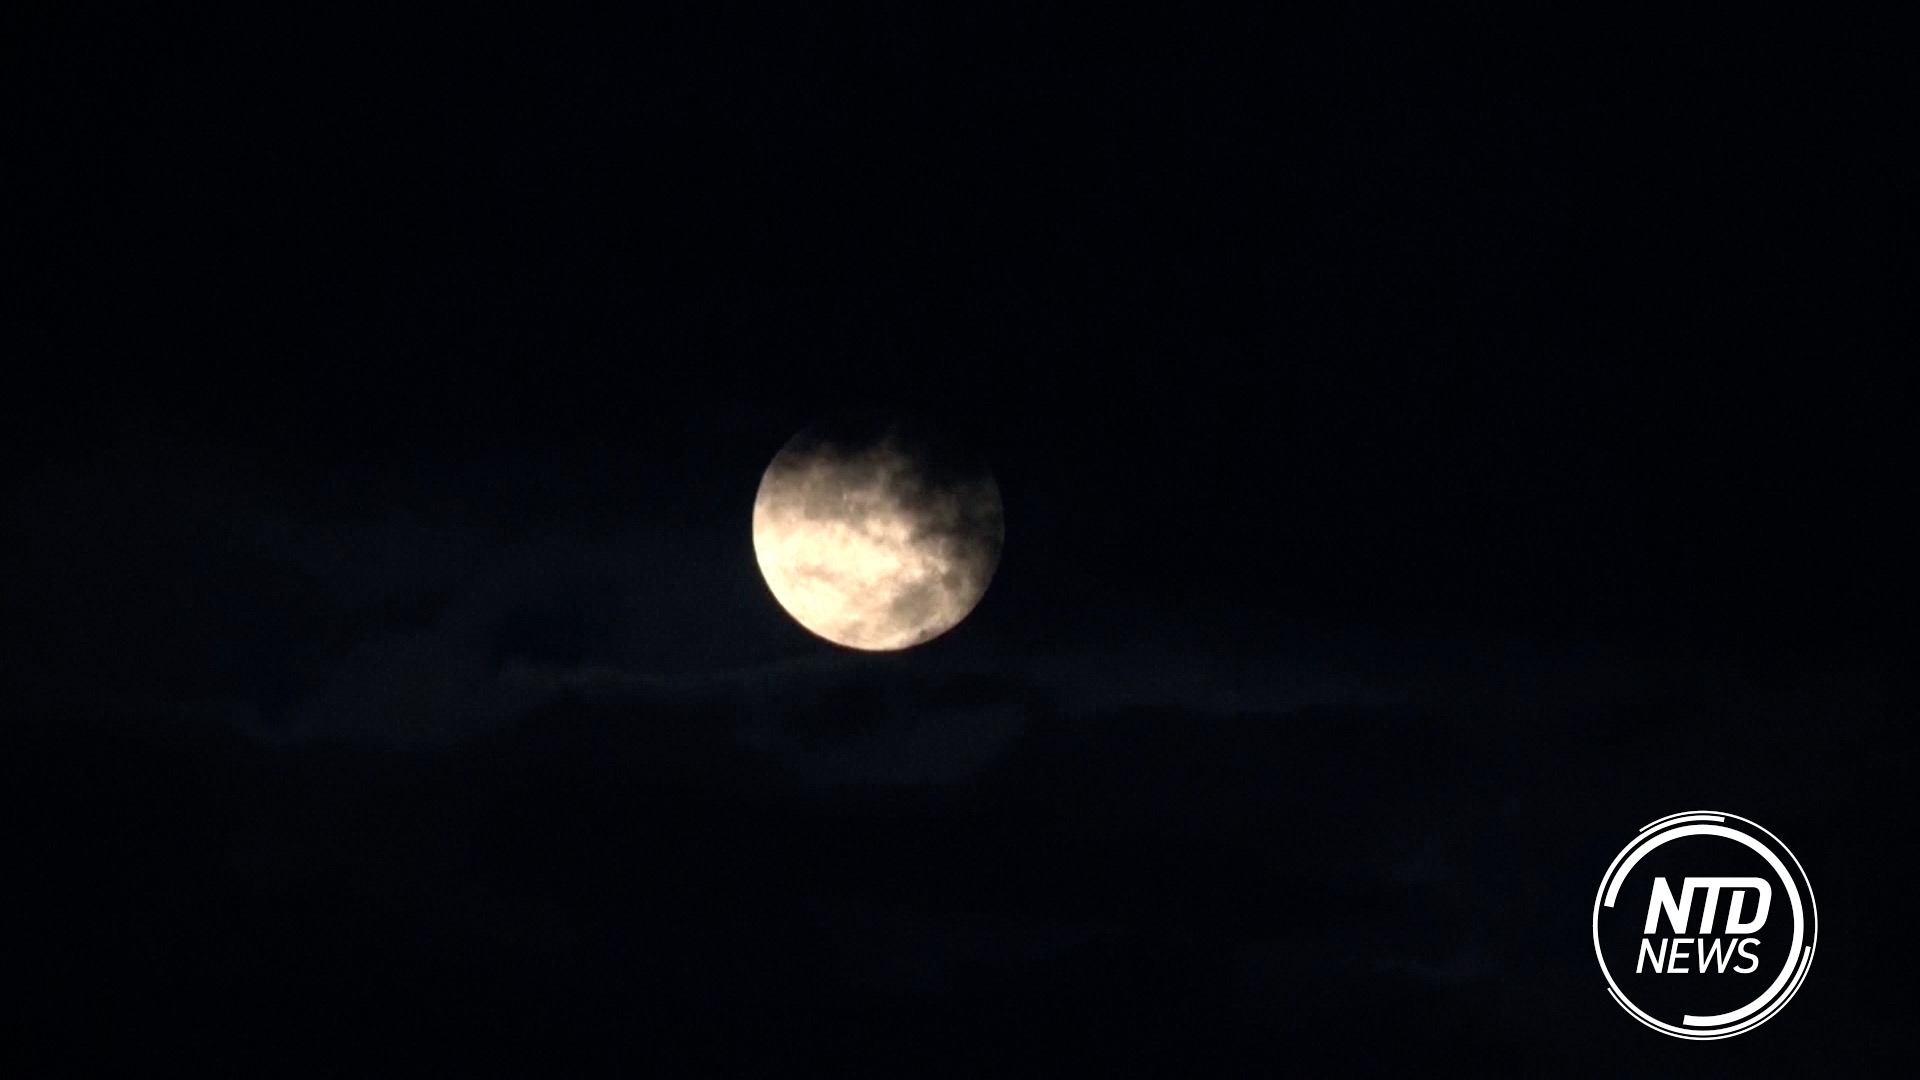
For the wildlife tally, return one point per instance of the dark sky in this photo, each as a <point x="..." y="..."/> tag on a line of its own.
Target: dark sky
<point x="1434" y="444"/>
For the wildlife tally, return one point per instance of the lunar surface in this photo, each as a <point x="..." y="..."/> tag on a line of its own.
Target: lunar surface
<point x="877" y="533"/>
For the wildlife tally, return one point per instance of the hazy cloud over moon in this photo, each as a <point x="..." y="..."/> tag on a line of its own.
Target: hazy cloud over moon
<point x="877" y="533"/>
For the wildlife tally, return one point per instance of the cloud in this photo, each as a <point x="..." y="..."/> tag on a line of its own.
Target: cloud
<point x="385" y="607"/>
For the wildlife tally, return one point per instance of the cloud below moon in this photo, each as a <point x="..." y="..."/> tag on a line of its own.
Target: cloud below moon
<point x="876" y="538"/>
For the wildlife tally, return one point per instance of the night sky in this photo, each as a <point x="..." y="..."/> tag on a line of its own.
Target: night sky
<point x="1434" y="444"/>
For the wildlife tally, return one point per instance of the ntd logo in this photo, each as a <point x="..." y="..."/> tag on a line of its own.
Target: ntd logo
<point x="1709" y="954"/>
<point x="1692" y="895"/>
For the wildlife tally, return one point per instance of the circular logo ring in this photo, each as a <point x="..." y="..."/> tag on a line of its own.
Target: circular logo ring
<point x="1805" y="919"/>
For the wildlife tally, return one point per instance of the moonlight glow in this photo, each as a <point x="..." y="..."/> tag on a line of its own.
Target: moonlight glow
<point x="875" y="538"/>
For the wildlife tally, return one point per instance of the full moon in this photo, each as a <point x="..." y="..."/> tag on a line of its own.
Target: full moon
<point x="877" y="533"/>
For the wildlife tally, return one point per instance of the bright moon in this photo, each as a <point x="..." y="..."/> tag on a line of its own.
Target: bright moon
<point x="876" y="534"/>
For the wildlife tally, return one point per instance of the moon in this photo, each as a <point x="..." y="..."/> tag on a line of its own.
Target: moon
<point x="877" y="533"/>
